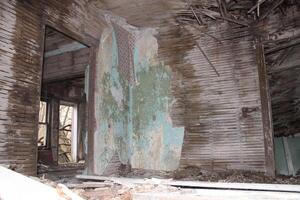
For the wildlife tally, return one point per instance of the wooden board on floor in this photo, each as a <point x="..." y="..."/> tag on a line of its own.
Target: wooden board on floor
<point x="216" y="194"/>
<point x="198" y="184"/>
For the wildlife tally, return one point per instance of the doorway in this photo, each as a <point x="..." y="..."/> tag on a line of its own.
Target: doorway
<point x="62" y="133"/>
<point x="283" y="67"/>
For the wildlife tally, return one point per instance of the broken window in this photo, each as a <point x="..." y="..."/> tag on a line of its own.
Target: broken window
<point x="43" y="124"/>
<point x="67" y="142"/>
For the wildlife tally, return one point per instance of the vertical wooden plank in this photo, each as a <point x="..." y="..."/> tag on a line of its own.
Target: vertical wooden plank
<point x="266" y="110"/>
<point x="82" y="115"/>
<point x="54" y="128"/>
<point x="41" y="57"/>
<point x="288" y="156"/>
<point x="91" y="109"/>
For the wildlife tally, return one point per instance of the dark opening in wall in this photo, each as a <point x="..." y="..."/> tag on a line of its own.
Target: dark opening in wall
<point x="284" y="82"/>
<point x="63" y="109"/>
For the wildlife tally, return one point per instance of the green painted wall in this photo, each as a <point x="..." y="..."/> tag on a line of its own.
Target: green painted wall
<point x="156" y="144"/>
<point x="133" y="120"/>
<point x="280" y="157"/>
<point x="280" y="160"/>
<point x="294" y="145"/>
<point x="111" y="111"/>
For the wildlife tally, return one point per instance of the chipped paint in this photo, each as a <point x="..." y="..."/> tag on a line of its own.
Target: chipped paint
<point x="134" y="120"/>
<point x="156" y="143"/>
<point x="110" y="112"/>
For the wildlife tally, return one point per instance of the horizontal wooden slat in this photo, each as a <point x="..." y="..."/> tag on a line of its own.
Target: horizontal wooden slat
<point x="21" y="34"/>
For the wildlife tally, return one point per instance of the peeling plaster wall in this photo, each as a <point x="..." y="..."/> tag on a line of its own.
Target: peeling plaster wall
<point x="110" y="106"/>
<point x="222" y="116"/>
<point x="156" y="143"/>
<point x="133" y="120"/>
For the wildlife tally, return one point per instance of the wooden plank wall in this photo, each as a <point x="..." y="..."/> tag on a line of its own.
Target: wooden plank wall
<point x="66" y="58"/>
<point x="55" y="40"/>
<point x="223" y="114"/>
<point x="279" y="31"/>
<point x="282" y="45"/>
<point x="67" y="65"/>
<point x="21" y="45"/>
<point x="20" y="58"/>
<point x="285" y="94"/>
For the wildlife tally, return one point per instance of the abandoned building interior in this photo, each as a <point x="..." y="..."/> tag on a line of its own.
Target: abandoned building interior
<point x="62" y="129"/>
<point x="188" y="90"/>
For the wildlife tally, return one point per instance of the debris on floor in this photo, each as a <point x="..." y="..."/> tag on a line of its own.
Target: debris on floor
<point x="115" y="190"/>
<point x="144" y="189"/>
<point x="193" y="173"/>
<point x="230" y="176"/>
<point x="58" y="172"/>
<point x="121" y="188"/>
<point x="15" y="186"/>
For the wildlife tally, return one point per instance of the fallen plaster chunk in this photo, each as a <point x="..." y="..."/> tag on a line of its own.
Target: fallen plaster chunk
<point x="66" y="192"/>
<point x="15" y="186"/>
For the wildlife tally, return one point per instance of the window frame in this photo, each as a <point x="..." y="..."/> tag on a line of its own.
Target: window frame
<point x="47" y="124"/>
<point x="74" y="128"/>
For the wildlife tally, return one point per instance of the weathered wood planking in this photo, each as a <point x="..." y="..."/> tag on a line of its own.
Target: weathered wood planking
<point x="65" y="66"/>
<point x="55" y="40"/>
<point x="20" y="76"/>
<point x="22" y="26"/>
<point x="276" y="32"/>
<point x="281" y="37"/>
<point x="284" y="88"/>
<point x="223" y="114"/>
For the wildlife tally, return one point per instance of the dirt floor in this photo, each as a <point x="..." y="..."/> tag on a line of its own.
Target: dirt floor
<point x="230" y="176"/>
<point x="188" y="174"/>
<point x="233" y="176"/>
